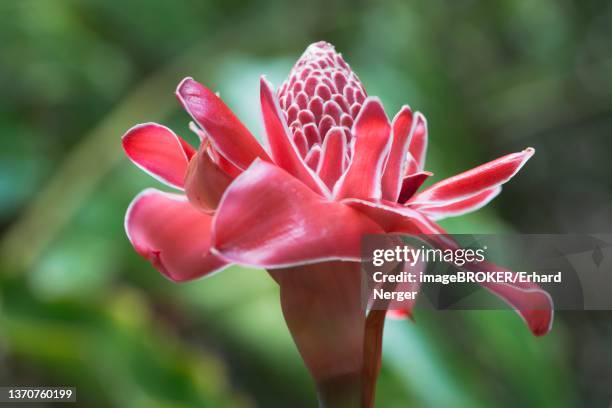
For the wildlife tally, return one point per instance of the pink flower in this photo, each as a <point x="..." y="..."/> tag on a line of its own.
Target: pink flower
<point x="334" y="168"/>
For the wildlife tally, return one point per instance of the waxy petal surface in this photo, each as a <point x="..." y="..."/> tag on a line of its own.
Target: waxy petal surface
<point x="397" y="162"/>
<point x="229" y="136"/>
<point x="283" y="149"/>
<point x="267" y="218"/>
<point x="205" y="182"/>
<point x="418" y="140"/>
<point x="476" y="180"/>
<point x="172" y="234"/>
<point x="158" y="151"/>
<point x="456" y="208"/>
<point x="372" y="131"/>
<point x="395" y="218"/>
<point x="333" y="157"/>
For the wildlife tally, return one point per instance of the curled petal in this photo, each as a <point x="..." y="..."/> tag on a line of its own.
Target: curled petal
<point x="396" y="164"/>
<point x="411" y="183"/>
<point x="418" y="140"/>
<point x="267" y="218"/>
<point x="172" y="234"/>
<point x="229" y="136"/>
<point x="533" y="304"/>
<point x="158" y="151"/>
<point x="372" y="143"/>
<point x="205" y="182"/>
<point x="474" y="181"/>
<point x="283" y="149"/>
<point x="464" y="206"/>
<point x="333" y="161"/>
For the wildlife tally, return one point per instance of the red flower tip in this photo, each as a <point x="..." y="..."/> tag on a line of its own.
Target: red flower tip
<point x="320" y="93"/>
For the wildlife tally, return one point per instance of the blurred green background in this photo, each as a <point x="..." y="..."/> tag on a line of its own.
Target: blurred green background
<point x="79" y="307"/>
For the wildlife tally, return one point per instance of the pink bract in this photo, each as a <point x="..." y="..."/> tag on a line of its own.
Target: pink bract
<point x="334" y="168"/>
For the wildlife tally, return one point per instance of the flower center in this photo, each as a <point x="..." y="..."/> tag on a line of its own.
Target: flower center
<point x="321" y="92"/>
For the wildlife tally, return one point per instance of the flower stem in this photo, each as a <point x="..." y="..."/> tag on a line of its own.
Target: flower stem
<point x="322" y="307"/>
<point x="372" y="355"/>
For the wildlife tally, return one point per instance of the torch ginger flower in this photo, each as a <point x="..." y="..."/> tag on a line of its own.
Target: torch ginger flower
<point x="334" y="169"/>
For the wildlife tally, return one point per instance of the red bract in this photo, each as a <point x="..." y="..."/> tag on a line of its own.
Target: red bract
<point x="334" y="168"/>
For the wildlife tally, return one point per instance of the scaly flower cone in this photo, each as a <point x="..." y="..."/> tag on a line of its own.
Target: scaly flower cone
<point x="335" y="168"/>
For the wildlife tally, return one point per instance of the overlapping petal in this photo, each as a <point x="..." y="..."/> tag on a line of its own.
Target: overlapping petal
<point x="283" y="149"/>
<point x="158" y="151"/>
<point x="393" y="217"/>
<point x="460" y="207"/>
<point x="172" y="234"/>
<point x="333" y="157"/>
<point x="411" y="183"/>
<point x="267" y="218"/>
<point x="418" y="141"/>
<point x="229" y="136"/>
<point x="372" y="131"/>
<point x="397" y="161"/>
<point x="205" y="181"/>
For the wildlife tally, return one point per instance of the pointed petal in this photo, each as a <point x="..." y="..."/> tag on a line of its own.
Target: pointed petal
<point x="267" y="218"/>
<point x="372" y="143"/>
<point x="418" y="140"/>
<point x="396" y="164"/>
<point x="158" y="151"/>
<point x="172" y="234"/>
<point x="476" y="180"/>
<point x="460" y="207"/>
<point x="205" y="182"/>
<point x="229" y="136"/>
<point x="533" y="304"/>
<point x="284" y="151"/>
<point x="332" y="163"/>
<point x="411" y="183"/>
